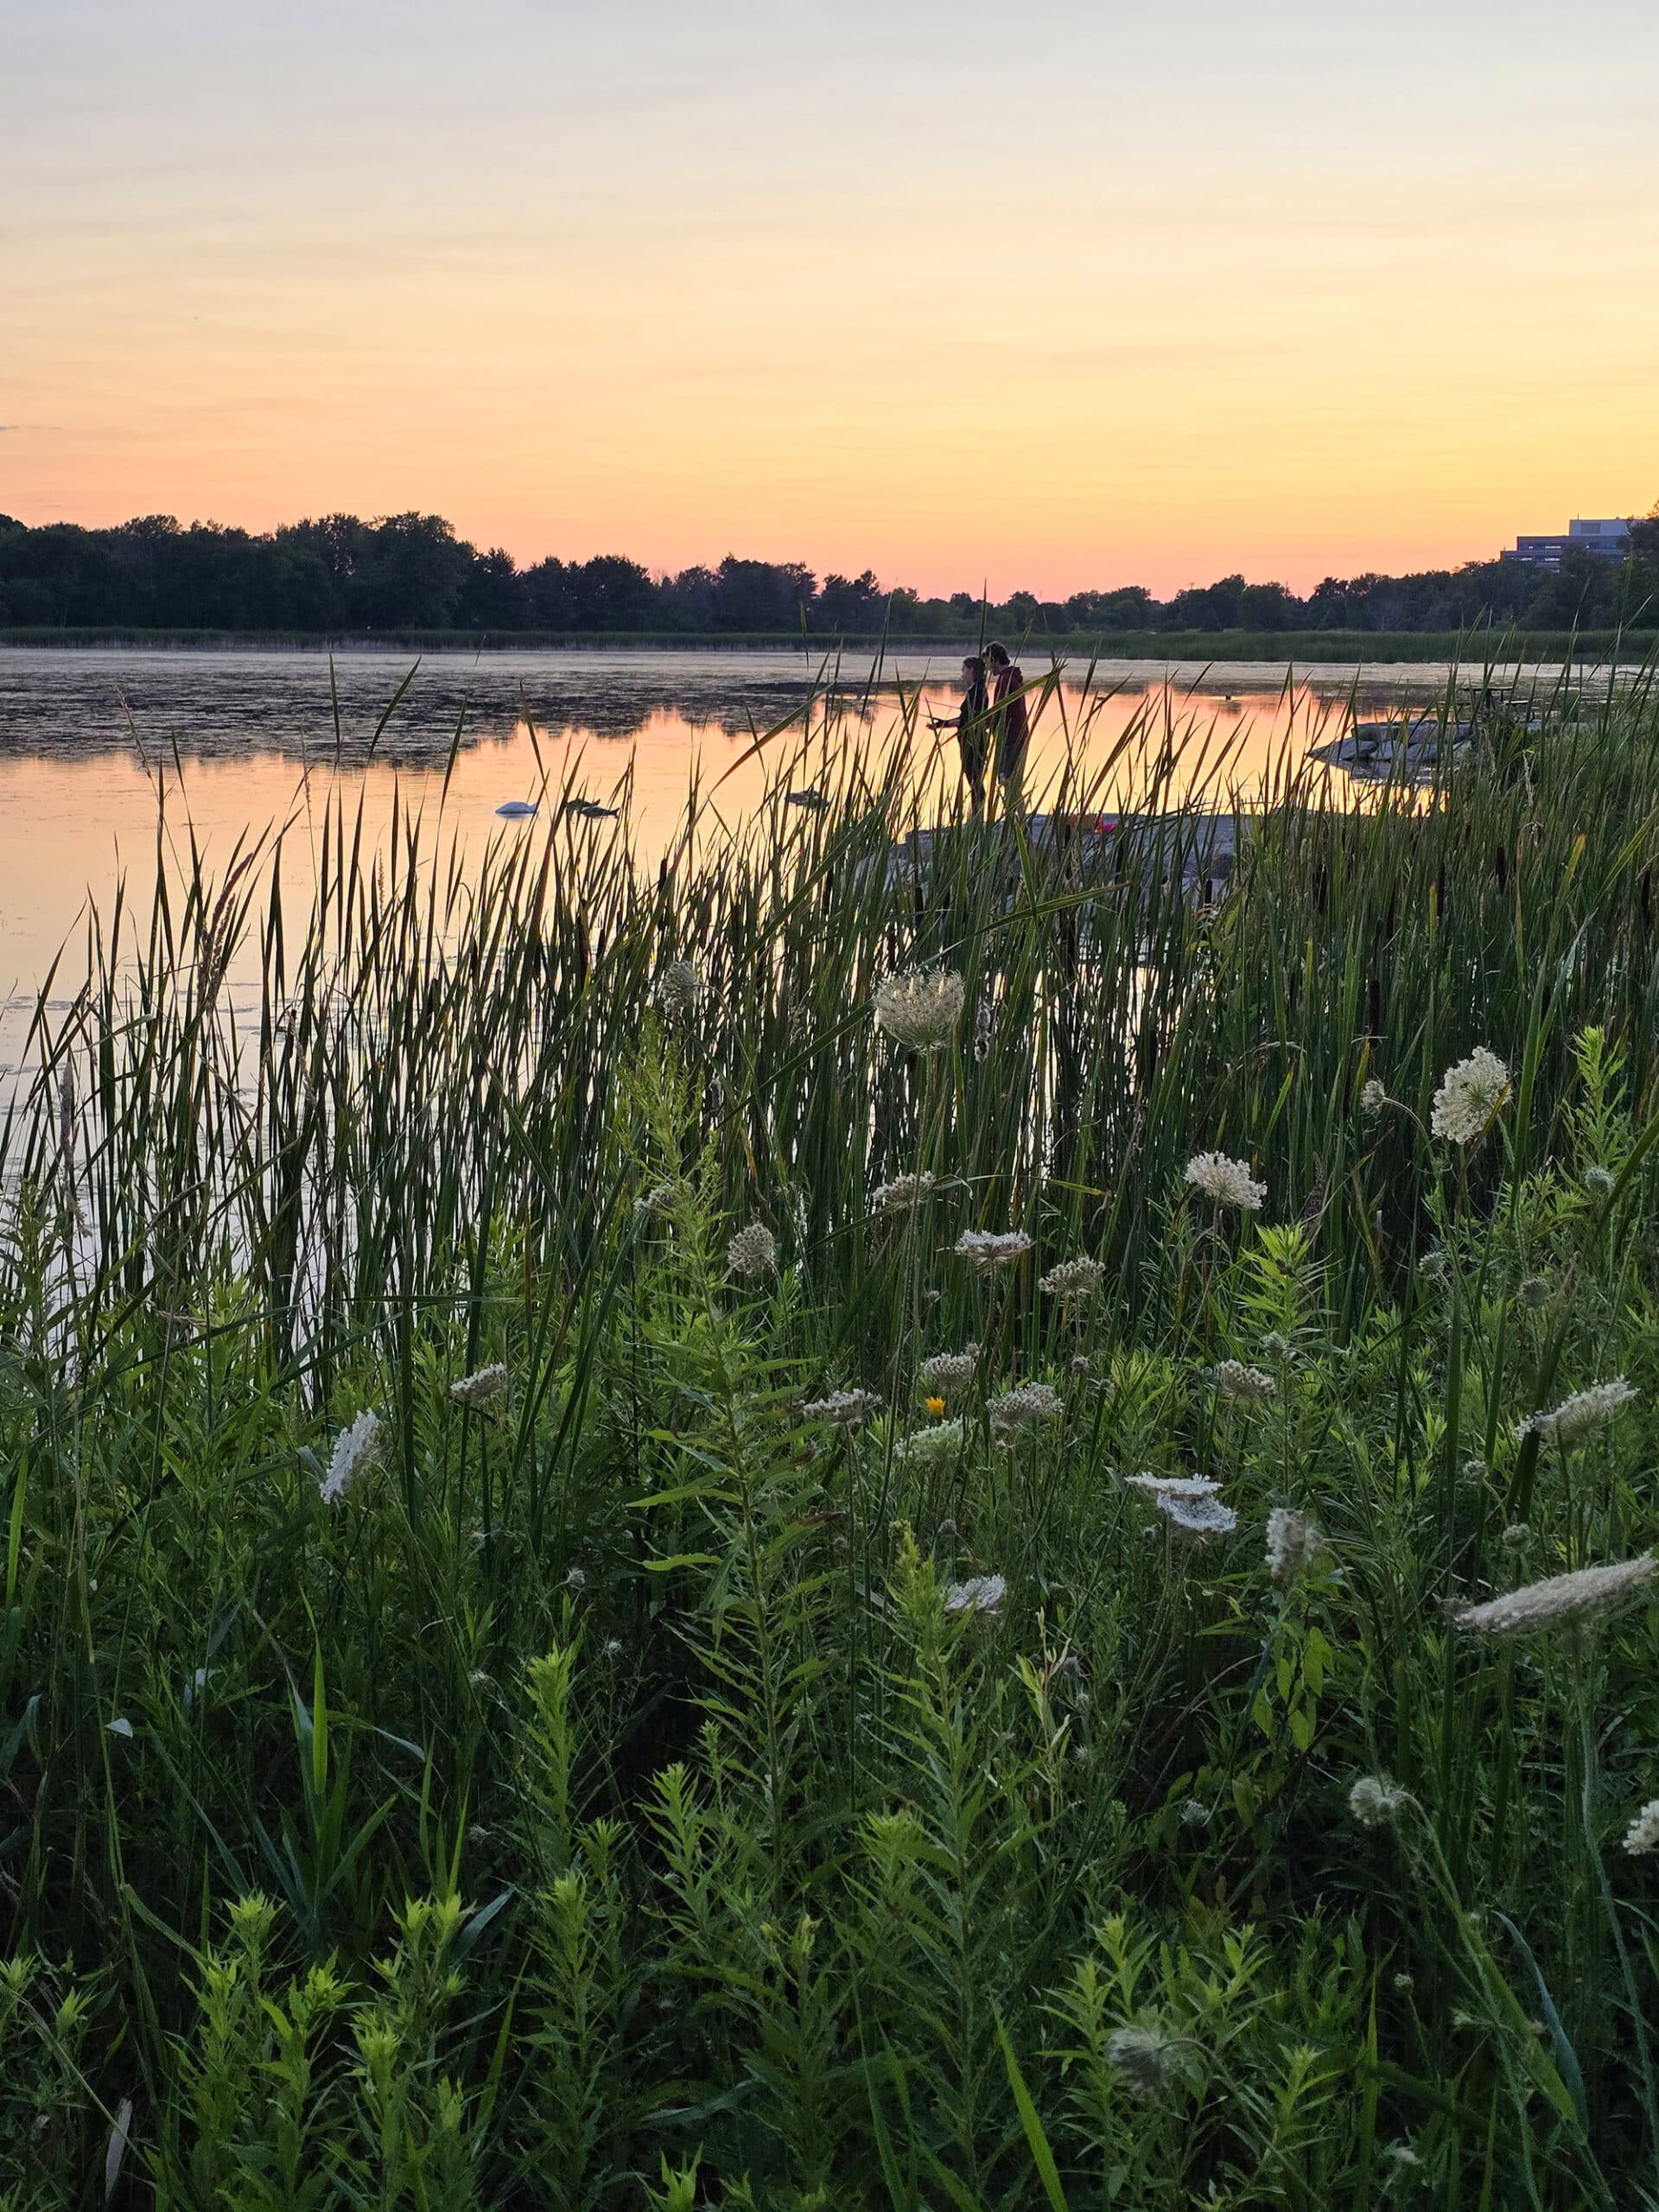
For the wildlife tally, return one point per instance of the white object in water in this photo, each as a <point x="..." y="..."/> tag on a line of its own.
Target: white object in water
<point x="517" y="807"/>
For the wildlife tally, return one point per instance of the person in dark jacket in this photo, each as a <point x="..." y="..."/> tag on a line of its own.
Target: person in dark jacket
<point x="971" y="728"/>
<point x="1010" y="724"/>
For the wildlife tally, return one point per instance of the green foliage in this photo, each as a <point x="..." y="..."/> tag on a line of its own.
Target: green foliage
<point x="640" y="1786"/>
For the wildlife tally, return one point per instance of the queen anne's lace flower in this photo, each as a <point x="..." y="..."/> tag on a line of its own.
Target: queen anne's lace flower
<point x="1470" y="1094"/>
<point x="1586" y="1594"/>
<point x="1022" y="1408"/>
<point x="1575" y="1417"/>
<point x="1294" y="1544"/>
<point x="1643" y="1833"/>
<point x="1149" y="2059"/>
<point x="1240" y="1381"/>
<point x="659" y="1200"/>
<point x="846" y="1408"/>
<point x="939" y="1446"/>
<point x="985" y="1248"/>
<point x="1077" y="1278"/>
<point x="944" y="1374"/>
<point x="354" y="1447"/>
<point x="1375" y="1803"/>
<point x="480" y="1390"/>
<point x="921" y="1010"/>
<point x="980" y="1593"/>
<point x="1191" y="1504"/>
<point x="678" y="988"/>
<point x="1225" y="1182"/>
<point x="753" y="1251"/>
<point x="902" y="1193"/>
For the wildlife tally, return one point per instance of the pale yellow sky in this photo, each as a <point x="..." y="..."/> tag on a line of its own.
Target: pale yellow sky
<point x="1300" y="292"/>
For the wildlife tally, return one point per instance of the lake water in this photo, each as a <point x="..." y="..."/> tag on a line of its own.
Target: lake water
<point x="246" y="742"/>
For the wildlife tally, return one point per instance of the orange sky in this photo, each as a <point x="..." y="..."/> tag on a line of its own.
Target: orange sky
<point x="1130" y="301"/>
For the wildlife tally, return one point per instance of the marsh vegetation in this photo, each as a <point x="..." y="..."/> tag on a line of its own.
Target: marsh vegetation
<point x="645" y="1566"/>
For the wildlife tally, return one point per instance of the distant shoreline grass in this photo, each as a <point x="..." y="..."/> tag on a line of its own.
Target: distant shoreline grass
<point x="1283" y="647"/>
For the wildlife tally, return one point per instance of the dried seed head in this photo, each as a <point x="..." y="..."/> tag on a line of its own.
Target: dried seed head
<point x="1575" y="1417"/>
<point x="1373" y="1098"/>
<point x="1597" y="1181"/>
<point x="1294" y="1545"/>
<point x="753" y="1251"/>
<point x="1149" y="2059"/>
<point x="921" y="1010"/>
<point x="677" y="989"/>
<point x="1074" y="1279"/>
<point x="1534" y="1294"/>
<point x="985" y="1248"/>
<point x="845" y="1408"/>
<point x="947" y="1372"/>
<point x="902" y="1193"/>
<point x="659" y="1200"/>
<point x="1375" y="1803"/>
<point x="1238" y="1381"/>
<point x="1022" y="1408"/>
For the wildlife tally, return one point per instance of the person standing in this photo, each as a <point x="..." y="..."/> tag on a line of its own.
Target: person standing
<point x="971" y="728"/>
<point x="1010" y="724"/>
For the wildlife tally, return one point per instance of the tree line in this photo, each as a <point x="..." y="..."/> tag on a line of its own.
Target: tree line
<point x="342" y="576"/>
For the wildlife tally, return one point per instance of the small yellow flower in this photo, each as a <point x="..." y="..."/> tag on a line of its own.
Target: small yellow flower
<point x="936" y="1407"/>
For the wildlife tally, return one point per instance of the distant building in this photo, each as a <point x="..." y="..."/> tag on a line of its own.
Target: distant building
<point x="1608" y="541"/>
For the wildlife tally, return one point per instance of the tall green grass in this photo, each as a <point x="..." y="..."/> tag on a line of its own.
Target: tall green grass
<point x="603" y="1804"/>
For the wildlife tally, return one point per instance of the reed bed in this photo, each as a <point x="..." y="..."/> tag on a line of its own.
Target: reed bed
<point x="641" y="1570"/>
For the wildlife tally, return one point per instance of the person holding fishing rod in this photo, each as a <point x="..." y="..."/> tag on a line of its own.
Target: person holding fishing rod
<point x="1010" y="724"/>
<point x="970" y="725"/>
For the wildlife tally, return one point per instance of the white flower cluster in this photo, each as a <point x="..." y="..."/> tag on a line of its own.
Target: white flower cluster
<point x="1294" y="1545"/>
<point x="1373" y="1098"/>
<point x="921" y="1010"/>
<point x="942" y="1374"/>
<point x="1375" y="1803"/>
<point x="480" y="1390"/>
<point x="354" y="1447"/>
<point x="902" y="1193"/>
<point x="985" y="1248"/>
<point x="1240" y="1381"/>
<point x="1149" y="2059"/>
<point x="980" y="1593"/>
<point x="659" y="1200"/>
<point x="1575" y="1418"/>
<point x="1470" y="1094"/>
<point x="1585" y="1594"/>
<point x="1078" y="1278"/>
<point x="753" y="1251"/>
<point x="1191" y="1504"/>
<point x="676" y="989"/>
<point x="1225" y="1182"/>
<point x="938" y="1446"/>
<point x="1022" y="1408"/>
<point x="845" y="1408"/>
<point x="1643" y="1833"/>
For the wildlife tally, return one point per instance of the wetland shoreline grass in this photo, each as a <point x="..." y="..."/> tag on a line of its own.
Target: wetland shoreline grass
<point x="578" y="1631"/>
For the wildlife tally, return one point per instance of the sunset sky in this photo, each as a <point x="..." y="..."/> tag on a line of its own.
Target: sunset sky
<point x="1075" y="294"/>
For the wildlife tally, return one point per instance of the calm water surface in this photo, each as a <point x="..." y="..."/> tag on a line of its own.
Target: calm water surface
<point x="244" y="742"/>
